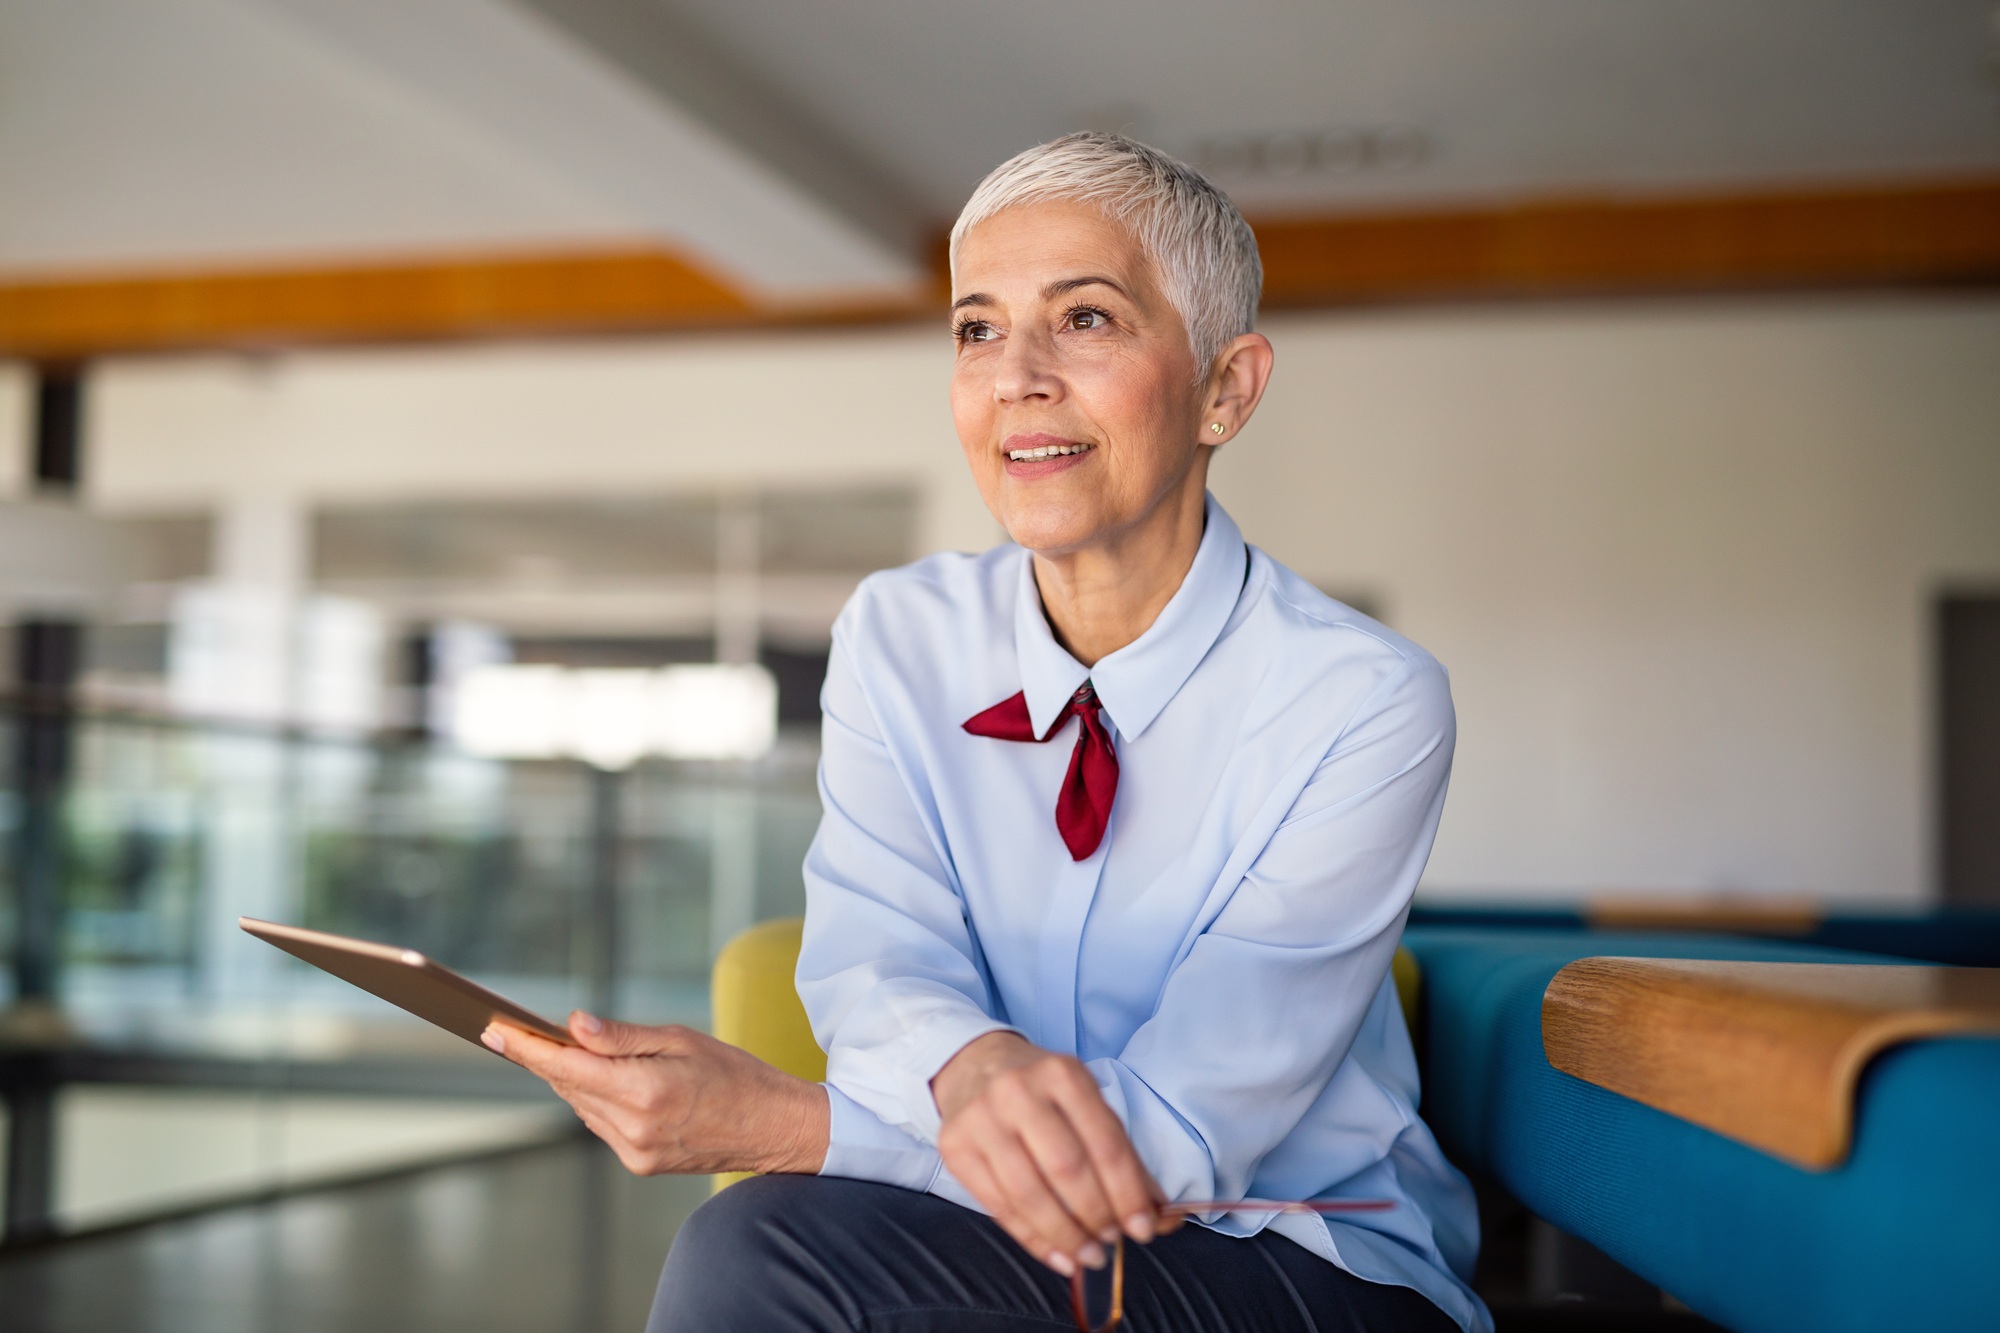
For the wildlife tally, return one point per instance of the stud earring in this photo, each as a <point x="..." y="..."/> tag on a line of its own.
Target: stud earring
<point x="1215" y="426"/>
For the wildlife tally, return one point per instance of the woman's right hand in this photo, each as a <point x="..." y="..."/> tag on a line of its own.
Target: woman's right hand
<point x="1028" y="1132"/>
<point x="670" y="1099"/>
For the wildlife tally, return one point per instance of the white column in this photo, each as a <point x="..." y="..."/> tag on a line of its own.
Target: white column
<point x="17" y="396"/>
<point x="233" y="658"/>
<point x="736" y="541"/>
<point x="732" y="847"/>
<point x="263" y="541"/>
<point x="231" y="654"/>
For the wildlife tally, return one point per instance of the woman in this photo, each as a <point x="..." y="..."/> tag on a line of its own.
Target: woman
<point x="1121" y="825"/>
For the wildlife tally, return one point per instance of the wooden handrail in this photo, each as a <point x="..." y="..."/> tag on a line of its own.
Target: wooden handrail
<point x="1765" y="1053"/>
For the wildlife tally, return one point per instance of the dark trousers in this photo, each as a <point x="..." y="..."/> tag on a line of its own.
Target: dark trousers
<point x="779" y="1253"/>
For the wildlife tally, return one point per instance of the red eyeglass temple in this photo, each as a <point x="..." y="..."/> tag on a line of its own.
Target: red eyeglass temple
<point x="1081" y="1310"/>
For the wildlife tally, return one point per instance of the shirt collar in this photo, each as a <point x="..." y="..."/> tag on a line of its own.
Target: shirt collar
<point x="1135" y="682"/>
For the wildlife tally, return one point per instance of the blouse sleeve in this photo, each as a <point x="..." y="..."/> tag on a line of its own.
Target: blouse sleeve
<point x="888" y="971"/>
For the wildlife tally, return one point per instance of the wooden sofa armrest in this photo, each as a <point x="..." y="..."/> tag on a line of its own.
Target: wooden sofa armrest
<point x="1765" y="1053"/>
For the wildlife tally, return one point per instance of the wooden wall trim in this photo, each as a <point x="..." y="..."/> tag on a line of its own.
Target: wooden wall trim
<point x="1929" y="233"/>
<point x="1911" y="234"/>
<point x="383" y="302"/>
<point x="1768" y="1054"/>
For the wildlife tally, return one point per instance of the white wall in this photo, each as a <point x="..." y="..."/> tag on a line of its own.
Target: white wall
<point x="1678" y="557"/>
<point x="1679" y="560"/>
<point x="576" y="419"/>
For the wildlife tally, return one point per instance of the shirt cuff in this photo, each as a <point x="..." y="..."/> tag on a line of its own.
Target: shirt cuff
<point x="895" y="1077"/>
<point x="945" y="1038"/>
<point x="860" y="1147"/>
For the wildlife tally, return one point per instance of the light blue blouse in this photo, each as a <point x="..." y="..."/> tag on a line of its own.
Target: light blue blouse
<point x="1220" y="962"/>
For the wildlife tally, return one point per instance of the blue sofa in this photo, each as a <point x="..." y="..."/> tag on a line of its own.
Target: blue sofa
<point x="1904" y="1234"/>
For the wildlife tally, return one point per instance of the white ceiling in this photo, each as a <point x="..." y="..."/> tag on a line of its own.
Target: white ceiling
<point x="803" y="147"/>
<point x="1514" y="96"/>
<point x="135" y="133"/>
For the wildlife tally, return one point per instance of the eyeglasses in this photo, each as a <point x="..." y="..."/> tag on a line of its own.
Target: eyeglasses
<point x="1079" y="1305"/>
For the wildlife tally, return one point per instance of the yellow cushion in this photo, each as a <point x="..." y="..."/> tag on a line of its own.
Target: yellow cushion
<point x="756" y="1004"/>
<point x="1409" y="983"/>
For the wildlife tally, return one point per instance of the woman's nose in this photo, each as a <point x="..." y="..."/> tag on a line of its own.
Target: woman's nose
<point x="1027" y="370"/>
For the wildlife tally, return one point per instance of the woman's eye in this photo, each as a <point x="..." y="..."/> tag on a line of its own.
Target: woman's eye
<point x="1087" y="319"/>
<point x="975" y="331"/>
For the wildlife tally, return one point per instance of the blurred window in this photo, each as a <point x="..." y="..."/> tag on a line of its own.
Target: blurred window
<point x="800" y="672"/>
<point x="800" y="532"/>
<point x="809" y="532"/>
<point x="168" y="548"/>
<point x="1969" y="747"/>
<point x="514" y="541"/>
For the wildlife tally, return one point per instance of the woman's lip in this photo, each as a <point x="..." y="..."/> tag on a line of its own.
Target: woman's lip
<point x="1029" y="469"/>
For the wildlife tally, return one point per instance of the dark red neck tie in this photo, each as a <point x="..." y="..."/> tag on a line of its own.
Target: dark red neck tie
<point x="1083" y="806"/>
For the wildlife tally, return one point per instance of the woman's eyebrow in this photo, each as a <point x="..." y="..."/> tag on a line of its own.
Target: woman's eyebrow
<point x="971" y="298"/>
<point x="1064" y="286"/>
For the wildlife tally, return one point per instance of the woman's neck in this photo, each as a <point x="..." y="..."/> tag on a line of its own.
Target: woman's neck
<point x="1102" y="597"/>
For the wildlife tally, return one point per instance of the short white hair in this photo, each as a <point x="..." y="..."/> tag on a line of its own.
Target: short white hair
<point x="1203" y="250"/>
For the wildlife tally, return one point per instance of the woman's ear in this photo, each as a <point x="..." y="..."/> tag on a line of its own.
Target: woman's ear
<point x="1236" y="387"/>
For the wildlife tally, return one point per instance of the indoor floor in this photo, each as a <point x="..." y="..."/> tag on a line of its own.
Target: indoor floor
<point x="548" y="1239"/>
<point x="557" y="1237"/>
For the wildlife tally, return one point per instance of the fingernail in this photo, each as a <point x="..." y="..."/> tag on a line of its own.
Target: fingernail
<point x="492" y="1039"/>
<point x="1139" y="1226"/>
<point x="589" y="1023"/>
<point x="1092" y="1254"/>
<point x="1109" y="1235"/>
<point x="1062" y="1264"/>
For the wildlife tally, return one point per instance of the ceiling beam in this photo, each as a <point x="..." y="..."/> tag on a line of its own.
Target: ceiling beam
<point x="1907" y="235"/>
<point x="384" y="302"/>
<point x="1889" y="235"/>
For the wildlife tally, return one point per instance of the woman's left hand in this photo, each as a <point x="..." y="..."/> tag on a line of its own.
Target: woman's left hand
<point x="1029" y="1133"/>
<point x="670" y="1100"/>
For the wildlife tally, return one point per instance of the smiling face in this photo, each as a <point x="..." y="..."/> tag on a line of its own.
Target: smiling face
<point x="1074" y="393"/>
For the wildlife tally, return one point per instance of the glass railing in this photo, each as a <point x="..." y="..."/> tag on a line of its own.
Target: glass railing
<point x="556" y="884"/>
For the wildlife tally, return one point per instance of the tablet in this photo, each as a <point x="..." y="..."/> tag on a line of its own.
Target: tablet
<point x="406" y="979"/>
